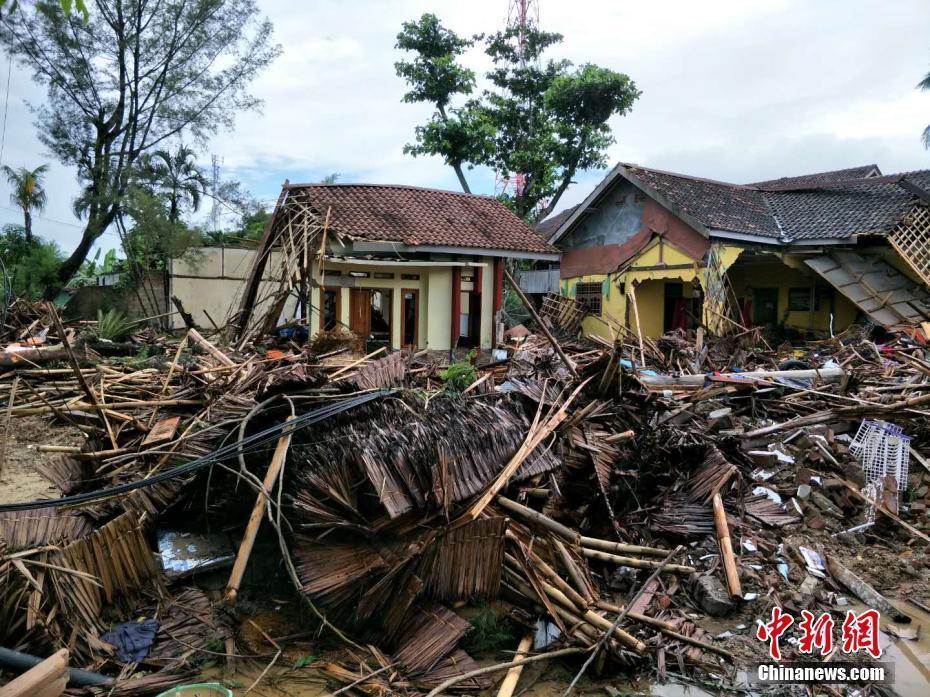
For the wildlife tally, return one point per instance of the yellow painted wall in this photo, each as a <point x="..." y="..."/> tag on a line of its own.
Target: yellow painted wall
<point x="650" y="290"/>
<point x="649" y="281"/>
<point x="776" y="274"/>
<point x="439" y="309"/>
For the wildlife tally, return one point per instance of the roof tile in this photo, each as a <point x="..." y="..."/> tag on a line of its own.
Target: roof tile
<point x="422" y="217"/>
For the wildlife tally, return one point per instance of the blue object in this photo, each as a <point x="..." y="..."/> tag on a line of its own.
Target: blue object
<point x="132" y="639"/>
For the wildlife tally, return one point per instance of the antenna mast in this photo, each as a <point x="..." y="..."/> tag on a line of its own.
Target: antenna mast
<point x="522" y="15"/>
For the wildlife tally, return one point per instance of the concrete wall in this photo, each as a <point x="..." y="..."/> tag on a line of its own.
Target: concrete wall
<point x="617" y="218"/>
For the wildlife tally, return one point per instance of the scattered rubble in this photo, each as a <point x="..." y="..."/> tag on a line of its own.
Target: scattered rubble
<point x="604" y="499"/>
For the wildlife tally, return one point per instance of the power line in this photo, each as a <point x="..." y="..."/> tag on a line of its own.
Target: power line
<point x="6" y="106"/>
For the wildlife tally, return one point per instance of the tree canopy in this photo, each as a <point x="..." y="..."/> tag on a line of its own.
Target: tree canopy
<point x="132" y="77"/>
<point x="28" y="192"/>
<point x="538" y="123"/>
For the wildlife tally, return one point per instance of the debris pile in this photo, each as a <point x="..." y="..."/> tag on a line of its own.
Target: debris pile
<point x="604" y="499"/>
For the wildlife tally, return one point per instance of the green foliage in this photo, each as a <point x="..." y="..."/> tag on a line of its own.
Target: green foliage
<point x="305" y="661"/>
<point x="541" y="121"/>
<point x="28" y="194"/>
<point x="132" y="77"/>
<point x="31" y="265"/>
<point x="91" y="268"/>
<point x="490" y="632"/>
<point x="460" y="375"/>
<point x="175" y="177"/>
<point x="152" y="239"/>
<point x="112" y="325"/>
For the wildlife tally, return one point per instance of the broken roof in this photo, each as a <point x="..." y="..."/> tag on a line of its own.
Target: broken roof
<point x="418" y="217"/>
<point x="822" y="206"/>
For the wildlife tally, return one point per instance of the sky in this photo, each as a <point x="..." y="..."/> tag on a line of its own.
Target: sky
<point x="731" y="90"/>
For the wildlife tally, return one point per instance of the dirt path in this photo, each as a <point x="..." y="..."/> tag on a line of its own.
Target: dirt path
<point x="19" y="480"/>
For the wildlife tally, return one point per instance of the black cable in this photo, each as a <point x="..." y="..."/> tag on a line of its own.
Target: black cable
<point x="302" y="421"/>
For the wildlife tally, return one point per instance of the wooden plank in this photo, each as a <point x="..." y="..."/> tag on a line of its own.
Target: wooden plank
<point x="46" y="674"/>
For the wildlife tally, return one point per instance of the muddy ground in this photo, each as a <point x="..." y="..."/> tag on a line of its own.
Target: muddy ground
<point x="19" y="480"/>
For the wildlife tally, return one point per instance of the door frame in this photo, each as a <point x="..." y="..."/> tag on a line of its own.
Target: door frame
<point x="416" y="318"/>
<point x="338" y="293"/>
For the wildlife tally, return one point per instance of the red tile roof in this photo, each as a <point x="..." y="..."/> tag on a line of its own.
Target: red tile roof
<point x="421" y="217"/>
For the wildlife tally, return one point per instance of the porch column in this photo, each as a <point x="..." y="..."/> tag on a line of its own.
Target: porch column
<point x="455" y="328"/>
<point x="496" y="322"/>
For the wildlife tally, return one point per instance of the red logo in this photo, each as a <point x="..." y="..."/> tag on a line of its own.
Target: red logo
<point x="772" y="631"/>
<point x="860" y="632"/>
<point x="816" y="633"/>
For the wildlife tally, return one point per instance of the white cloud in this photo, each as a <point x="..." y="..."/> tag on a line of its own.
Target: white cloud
<point x="732" y="90"/>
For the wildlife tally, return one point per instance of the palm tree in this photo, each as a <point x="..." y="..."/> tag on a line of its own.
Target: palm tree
<point x="178" y="178"/>
<point x="925" y="85"/>
<point x="28" y="192"/>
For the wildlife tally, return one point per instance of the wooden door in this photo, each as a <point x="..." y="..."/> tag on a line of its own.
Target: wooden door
<point x="360" y="312"/>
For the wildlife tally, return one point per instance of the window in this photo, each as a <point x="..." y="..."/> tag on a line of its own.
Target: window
<point x="799" y="299"/>
<point x="410" y="276"/>
<point x="590" y="295"/>
<point x="382" y="274"/>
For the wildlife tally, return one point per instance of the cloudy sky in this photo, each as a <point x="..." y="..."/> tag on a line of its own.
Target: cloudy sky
<point x="732" y="90"/>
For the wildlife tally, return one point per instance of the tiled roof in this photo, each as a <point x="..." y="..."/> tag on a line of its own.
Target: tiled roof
<point x="817" y="206"/>
<point x="421" y="217"/>
<point x="714" y="204"/>
<point x="819" y="178"/>
<point x="843" y="209"/>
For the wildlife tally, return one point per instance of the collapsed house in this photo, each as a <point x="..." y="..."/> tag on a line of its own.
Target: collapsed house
<point x="653" y="251"/>
<point x="402" y="267"/>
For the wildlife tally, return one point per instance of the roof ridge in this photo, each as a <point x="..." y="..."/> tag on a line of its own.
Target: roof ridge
<point x="690" y="177"/>
<point x="409" y="187"/>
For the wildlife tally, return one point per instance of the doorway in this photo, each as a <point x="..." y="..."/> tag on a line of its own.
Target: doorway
<point x="765" y="307"/>
<point x="370" y="314"/>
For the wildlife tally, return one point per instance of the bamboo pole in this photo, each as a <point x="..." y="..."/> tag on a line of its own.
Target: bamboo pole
<point x="510" y="681"/>
<point x="6" y="428"/>
<point x="255" y="520"/>
<point x="636" y="563"/>
<point x="726" y="547"/>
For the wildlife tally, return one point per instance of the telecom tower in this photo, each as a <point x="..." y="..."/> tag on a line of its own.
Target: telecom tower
<point x="521" y="15"/>
<point x="215" y="162"/>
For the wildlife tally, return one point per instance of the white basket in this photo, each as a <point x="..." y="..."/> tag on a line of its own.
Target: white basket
<point x="883" y="450"/>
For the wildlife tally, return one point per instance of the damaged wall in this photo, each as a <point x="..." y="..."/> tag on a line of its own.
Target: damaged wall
<point x="213" y="283"/>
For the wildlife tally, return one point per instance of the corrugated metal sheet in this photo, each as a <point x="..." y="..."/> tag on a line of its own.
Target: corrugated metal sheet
<point x="546" y="281"/>
<point x="887" y="296"/>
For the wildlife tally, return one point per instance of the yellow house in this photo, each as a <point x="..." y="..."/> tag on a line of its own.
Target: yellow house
<point x="651" y="251"/>
<point x="400" y="266"/>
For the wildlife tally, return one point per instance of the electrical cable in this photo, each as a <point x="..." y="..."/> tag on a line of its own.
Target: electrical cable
<point x="227" y="451"/>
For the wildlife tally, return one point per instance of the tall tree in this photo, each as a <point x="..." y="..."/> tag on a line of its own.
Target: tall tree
<point x="28" y="193"/>
<point x="135" y="75"/>
<point x="459" y="136"/>
<point x="541" y="121"/>
<point x="176" y="177"/>
<point x="925" y="85"/>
